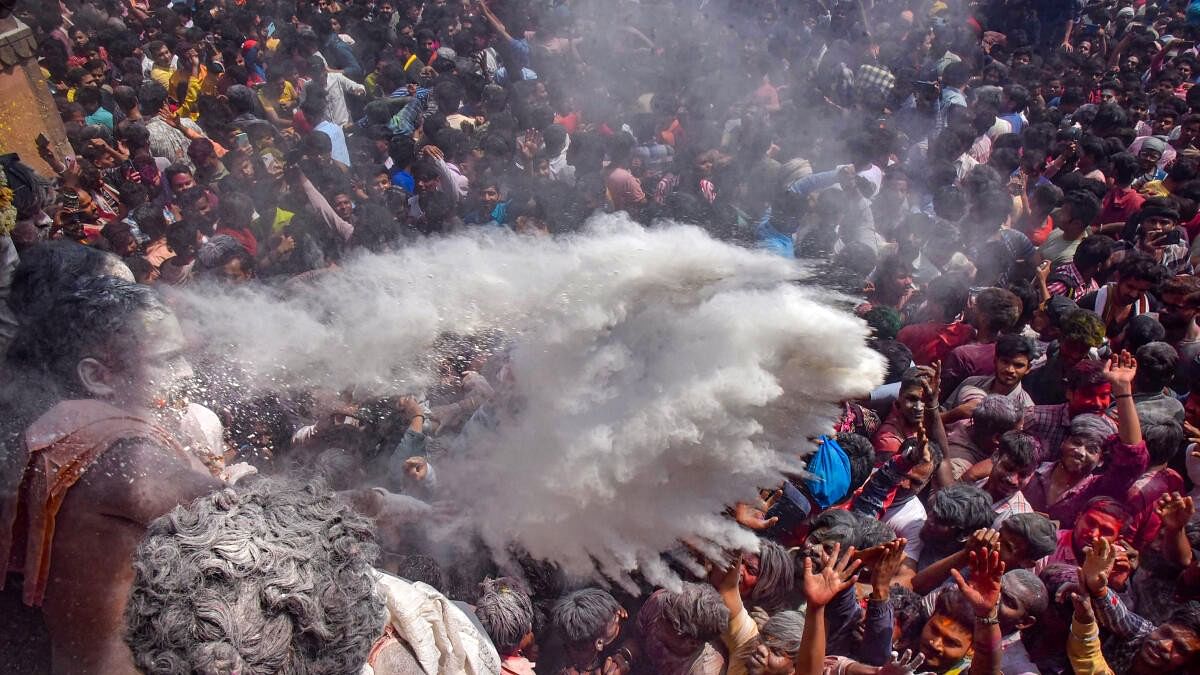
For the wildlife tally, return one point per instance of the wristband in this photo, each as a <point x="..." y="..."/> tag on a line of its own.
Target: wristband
<point x="989" y="620"/>
<point x="1121" y="396"/>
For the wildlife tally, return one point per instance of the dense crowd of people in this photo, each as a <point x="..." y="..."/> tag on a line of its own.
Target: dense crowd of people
<point x="1013" y="185"/>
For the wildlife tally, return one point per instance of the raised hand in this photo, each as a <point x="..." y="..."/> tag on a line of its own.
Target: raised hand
<point x="931" y="383"/>
<point x="887" y="566"/>
<point x="1175" y="510"/>
<point x="902" y="664"/>
<point x="983" y="541"/>
<point x="416" y="468"/>
<point x="754" y="516"/>
<point x="983" y="590"/>
<point x="1097" y="566"/>
<point x="1119" y="371"/>
<point x="1043" y="271"/>
<point x="1084" y="612"/>
<point x="838" y="573"/>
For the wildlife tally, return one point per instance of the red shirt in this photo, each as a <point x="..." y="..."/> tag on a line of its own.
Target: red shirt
<point x="891" y="435"/>
<point x="1192" y="227"/>
<point x="932" y="341"/>
<point x="1119" y="204"/>
<point x="1038" y="235"/>
<point x="243" y="237"/>
<point x="1140" y="499"/>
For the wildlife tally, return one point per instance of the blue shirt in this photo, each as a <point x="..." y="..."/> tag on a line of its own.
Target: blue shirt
<point x="771" y="239"/>
<point x="404" y="179"/>
<point x="101" y="117"/>
<point x="1015" y="120"/>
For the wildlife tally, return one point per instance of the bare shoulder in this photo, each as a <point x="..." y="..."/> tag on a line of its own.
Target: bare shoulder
<point x="140" y="480"/>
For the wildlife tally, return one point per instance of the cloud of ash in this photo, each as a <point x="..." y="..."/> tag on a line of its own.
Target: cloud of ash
<point x="655" y="375"/>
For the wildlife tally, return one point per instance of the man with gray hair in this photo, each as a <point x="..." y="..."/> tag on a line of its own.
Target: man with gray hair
<point x="679" y="630"/>
<point x="99" y="465"/>
<point x="971" y="446"/>
<point x="287" y="569"/>
<point x="506" y="613"/>
<point x="588" y="621"/>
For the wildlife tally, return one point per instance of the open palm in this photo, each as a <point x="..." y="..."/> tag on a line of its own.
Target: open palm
<point x="983" y="590"/>
<point x="836" y="575"/>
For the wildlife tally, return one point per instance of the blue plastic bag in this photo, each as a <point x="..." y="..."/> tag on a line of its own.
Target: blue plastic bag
<point x="830" y="469"/>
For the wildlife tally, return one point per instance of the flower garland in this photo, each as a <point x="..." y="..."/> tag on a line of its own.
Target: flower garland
<point x="8" y="210"/>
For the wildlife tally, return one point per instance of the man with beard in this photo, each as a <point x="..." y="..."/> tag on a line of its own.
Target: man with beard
<point x="1179" y="306"/>
<point x="104" y="461"/>
<point x="1013" y="465"/>
<point x="100" y="465"/>
<point x="890" y="494"/>
<point x="1131" y="295"/>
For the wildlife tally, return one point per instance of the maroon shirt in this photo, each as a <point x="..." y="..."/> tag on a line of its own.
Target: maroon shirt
<point x="1125" y="464"/>
<point x="970" y="359"/>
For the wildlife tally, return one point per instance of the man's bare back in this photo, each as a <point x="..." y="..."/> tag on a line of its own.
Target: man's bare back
<point x="100" y="523"/>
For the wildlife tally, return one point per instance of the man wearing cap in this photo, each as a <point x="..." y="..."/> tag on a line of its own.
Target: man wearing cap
<point x="1153" y="154"/>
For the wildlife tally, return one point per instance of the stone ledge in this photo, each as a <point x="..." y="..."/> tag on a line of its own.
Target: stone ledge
<point x="17" y="44"/>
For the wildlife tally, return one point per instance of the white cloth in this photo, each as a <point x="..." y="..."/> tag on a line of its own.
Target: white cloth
<point x="337" y="86"/>
<point x="907" y="522"/>
<point x="440" y="635"/>
<point x="202" y="431"/>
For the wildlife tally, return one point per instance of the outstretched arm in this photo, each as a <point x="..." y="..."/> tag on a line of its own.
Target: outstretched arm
<point x="496" y="23"/>
<point x="1175" y="510"/>
<point x="983" y="592"/>
<point x="837" y="575"/>
<point x="1120" y="371"/>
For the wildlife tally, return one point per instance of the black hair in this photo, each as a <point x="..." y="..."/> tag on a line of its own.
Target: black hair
<point x="1187" y="616"/>
<point x="898" y="355"/>
<point x="1156" y="365"/>
<point x="152" y="97"/>
<point x="1093" y="252"/>
<point x="1141" y="266"/>
<point x="1124" y="167"/>
<point x="1183" y="170"/>
<point x="861" y="454"/>
<point x="998" y="309"/>
<point x="1021" y="448"/>
<point x="1012" y="345"/>
<point x="952" y="605"/>
<point x="963" y="507"/>
<point x="1083" y="205"/>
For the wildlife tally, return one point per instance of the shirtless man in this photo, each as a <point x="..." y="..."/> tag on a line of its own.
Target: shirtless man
<point x="100" y="465"/>
<point x="106" y="460"/>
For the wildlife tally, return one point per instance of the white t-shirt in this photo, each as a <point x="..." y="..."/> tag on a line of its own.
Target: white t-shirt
<point x="907" y="522"/>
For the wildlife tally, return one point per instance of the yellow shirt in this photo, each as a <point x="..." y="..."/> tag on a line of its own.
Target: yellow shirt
<point x="1083" y="650"/>
<point x="195" y="86"/>
<point x="162" y="76"/>
<point x="1155" y="188"/>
